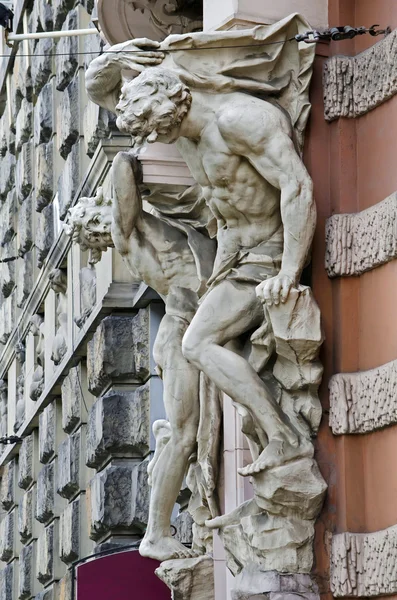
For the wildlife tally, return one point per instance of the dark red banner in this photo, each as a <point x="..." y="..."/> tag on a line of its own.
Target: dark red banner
<point x="121" y="576"/>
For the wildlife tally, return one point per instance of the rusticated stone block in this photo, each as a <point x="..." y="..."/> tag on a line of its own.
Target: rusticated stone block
<point x="42" y="63"/>
<point x="73" y="408"/>
<point x="96" y="126"/>
<point x="68" y="118"/>
<point x="47" y="594"/>
<point x="363" y="565"/>
<point x="69" y="181"/>
<point x="25" y="226"/>
<point x="7" y="174"/>
<point x="7" y="536"/>
<point x="26" y="512"/>
<point x="64" y="587"/>
<point x="46" y="550"/>
<point x="23" y="172"/>
<point x="66" y="61"/>
<point x="45" y="499"/>
<point x="87" y="277"/>
<point x="69" y="529"/>
<point x="4" y="133"/>
<point x="24" y="124"/>
<point x="27" y="561"/>
<point x="7" y="317"/>
<point x="118" y="350"/>
<point x="8" y="485"/>
<point x="7" y="219"/>
<point x="70" y="464"/>
<point x="119" y="426"/>
<point x="27" y="464"/>
<point x="190" y="578"/>
<point x="7" y="268"/>
<point x="44" y="234"/>
<point x="24" y="278"/>
<point x="43" y="114"/>
<point x="362" y="241"/>
<point x="47" y="433"/>
<point x="354" y="85"/>
<point x="44" y="175"/>
<point x="7" y="582"/>
<point x="364" y="401"/>
<point x="61" y="9"/>
<point x="119" y="499"/>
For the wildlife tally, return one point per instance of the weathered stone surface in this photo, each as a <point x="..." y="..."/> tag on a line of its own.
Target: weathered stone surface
<point x="69" y="180"/>
<point x="5" y="134"/>
<point x="7" y="268"/>
<point x="87" y="277"/>
<point x="25" y="226"/>
<point x="41" y="16"/>
<point x="24" y="124"/>
<point x="3" y="415"/>
<point x="27" y="560"/>
<point x="119" y="499"/>
<point x="24" y="172"/>
<point x="364" y="401"/>
<point x="72" y="399"/>
<point x="69" y="532"/>
<point x="69" y="465"/>
<point x="44" y="175"/>
<point x="64" y="587"/>
<point x="354" y="85"/>
<point x="68" y="118"/>
<point x="46" y="554"/>
<point x="362" y="241"/>
<point x="26" y="512"/>
<point x="183" y="525"/>
<point x="7" y="536"/>
<point x="47" y="594"/>
<point x="7" y="582"/>
<point x="61" y="9"/>
<point x="47" y="433"/>
<point x="119" y="426"/>
<point x="189" y="578"/>
<point x="44" y="234"/>
<point x="119" y="349"/>
<point x="8" y="485"/>
<point x="252" y="583"/>
<point x="364" y="564"/>
<point x="42" y="63"/>
<point x="66" y="61"/>
<point x="16" y="95"/>
<point x="43" y="114"/>
<point x="7" y="317"/>
<point x="24" y="278"/>
<point x="96" y="126"/>
<point x="7" y="174"/>
<point x="7" y="218"/>
<point x="27" y="470"/>
<point x="45" y="499"/>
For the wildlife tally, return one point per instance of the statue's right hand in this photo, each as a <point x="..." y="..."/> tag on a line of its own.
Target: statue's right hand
<point x="137" y="54"/>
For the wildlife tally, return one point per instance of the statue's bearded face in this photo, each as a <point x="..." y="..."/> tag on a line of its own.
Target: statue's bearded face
<point x="152" y="106"/>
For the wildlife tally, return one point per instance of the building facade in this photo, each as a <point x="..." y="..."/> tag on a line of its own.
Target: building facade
<point x="79" y="385"/>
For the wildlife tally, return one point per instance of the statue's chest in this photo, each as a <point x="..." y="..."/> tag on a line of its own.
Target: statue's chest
<point x="220" y="168"/>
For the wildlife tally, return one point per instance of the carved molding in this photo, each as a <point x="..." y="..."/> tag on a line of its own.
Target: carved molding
<point x="364" y="564"/>
<point x="359" y="242"/>
<point x="354" y="85"/>
<point x="363" y="402"/>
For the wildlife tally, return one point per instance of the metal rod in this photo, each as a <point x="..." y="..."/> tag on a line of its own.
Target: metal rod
<point x="19" y="37"/>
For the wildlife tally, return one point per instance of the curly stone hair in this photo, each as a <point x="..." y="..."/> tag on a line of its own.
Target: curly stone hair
<point x="151" y="104"/>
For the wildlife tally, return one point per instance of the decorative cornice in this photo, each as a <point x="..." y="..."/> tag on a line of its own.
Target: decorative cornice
<point x="359" y="242"/>
<point x="354" y="85"/>
<point x="365" y="401"/>
<point x="364" y="564"/>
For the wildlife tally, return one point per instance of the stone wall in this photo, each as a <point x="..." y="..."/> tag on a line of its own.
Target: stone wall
<point x="77" y="381"/>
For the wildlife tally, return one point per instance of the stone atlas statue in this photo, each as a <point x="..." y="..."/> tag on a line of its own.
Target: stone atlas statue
<point x="227" y="257"/>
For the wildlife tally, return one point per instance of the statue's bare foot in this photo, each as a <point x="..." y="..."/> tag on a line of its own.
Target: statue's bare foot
<point x="165" y="548"/>
<point x="277" y="453"/>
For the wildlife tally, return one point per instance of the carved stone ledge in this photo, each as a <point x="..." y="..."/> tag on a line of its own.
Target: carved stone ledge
<point x="364" y="564"/>
<point x="365" y="401"/>
<point x="253" y="583"/>
<point x="354" y="85"/>
<point x="359" y="242"/>
<point x="190" y="578"/>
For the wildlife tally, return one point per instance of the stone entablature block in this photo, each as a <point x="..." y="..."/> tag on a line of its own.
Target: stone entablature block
<point x="359" y="242"/>
<point x="364" y="564"/>
<point x="354" y="85"/>
<point x="364" y="401"/>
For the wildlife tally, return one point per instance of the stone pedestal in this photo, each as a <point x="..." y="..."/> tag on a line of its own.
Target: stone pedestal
<point x="254" y="584"/>
<point x="241" y="14"/>
<point x="190" y="578"/>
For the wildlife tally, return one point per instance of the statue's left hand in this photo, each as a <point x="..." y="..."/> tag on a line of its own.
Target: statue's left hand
<point x="276" y="289"/>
